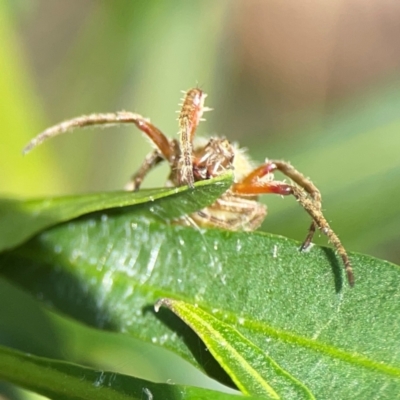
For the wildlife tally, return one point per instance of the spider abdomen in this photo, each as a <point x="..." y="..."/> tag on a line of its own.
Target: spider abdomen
<point x="232" y="212"/>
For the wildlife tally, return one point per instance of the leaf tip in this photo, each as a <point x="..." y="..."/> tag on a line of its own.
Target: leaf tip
<point x="162" y="302"/>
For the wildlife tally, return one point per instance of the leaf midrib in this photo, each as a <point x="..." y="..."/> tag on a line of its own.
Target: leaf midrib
<point x="259" y="327"/>
<point x="282" y="335"/>
<point x="257" y="377"/>
<point x="289" y="337"/>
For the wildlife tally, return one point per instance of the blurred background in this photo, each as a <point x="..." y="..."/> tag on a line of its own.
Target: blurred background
<point x="311" y="82"/>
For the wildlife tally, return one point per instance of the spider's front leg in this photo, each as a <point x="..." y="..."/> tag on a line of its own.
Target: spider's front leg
<point x="262" y="187"/>
<point x="106" y="120"/>
<point x="307" y="195"/>
<point x="189" y="119"/>
<point x="297" y="177"/>
<point x="165" y="149"/>
<point x="323" y="225"/>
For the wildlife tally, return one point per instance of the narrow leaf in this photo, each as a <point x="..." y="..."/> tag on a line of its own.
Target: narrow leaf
<point x="21" y="219"/>
<point x="64" y="381"/>
<point x="252" y="370"/>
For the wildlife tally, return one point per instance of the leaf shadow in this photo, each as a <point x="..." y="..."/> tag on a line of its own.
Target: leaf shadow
<point x="60" y="289"/>
<point x="196" y="346"/>
<point x="337" y="269"/>
<point x="39" y="277"/>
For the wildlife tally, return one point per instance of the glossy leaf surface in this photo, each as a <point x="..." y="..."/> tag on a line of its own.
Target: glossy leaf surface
<point x="252" y="370"/>
<point x="109" y="269"/>
<point x="21" y="219"/>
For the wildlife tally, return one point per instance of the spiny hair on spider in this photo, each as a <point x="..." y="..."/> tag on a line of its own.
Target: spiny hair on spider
<point x="191" y="161"/>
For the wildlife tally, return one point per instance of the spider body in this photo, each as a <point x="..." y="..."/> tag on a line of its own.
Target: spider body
<point x="191" y="161"/>
<point x="231" y="211"/>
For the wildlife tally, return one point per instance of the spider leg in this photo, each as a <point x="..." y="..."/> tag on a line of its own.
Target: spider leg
<point x="189" y="118"/>
<point x="323" y="225"/>
<point x="307" y="195"/>
<point x="309" y="237"/>
<point x="151" y="160"/>
<point x="287" y="169"/>
<point x="106" y="120"/>
<point x="297" y="177"/>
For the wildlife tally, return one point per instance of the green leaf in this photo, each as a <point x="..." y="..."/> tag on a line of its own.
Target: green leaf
<point x="252" y="370"/>
<point x="109" y="269"/>
<point x="63" y="381"/>
<point x="21" y="219"/>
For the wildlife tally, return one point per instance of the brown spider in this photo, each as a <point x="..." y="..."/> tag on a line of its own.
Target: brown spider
<point x="238" y="208"/>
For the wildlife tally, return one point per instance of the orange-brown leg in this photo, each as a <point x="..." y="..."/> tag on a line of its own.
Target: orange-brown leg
<point x="253" y="179"/>
<point x="297" y="177"/>
<point x="109" y="119"/>
<point x="157" y="137"/>
<point x="252" y="185"/>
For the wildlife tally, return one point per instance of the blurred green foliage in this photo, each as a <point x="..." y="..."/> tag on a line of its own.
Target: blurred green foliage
<point x="59" y="60"/>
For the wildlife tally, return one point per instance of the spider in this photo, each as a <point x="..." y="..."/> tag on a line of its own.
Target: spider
<point x="192" y="161"/>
